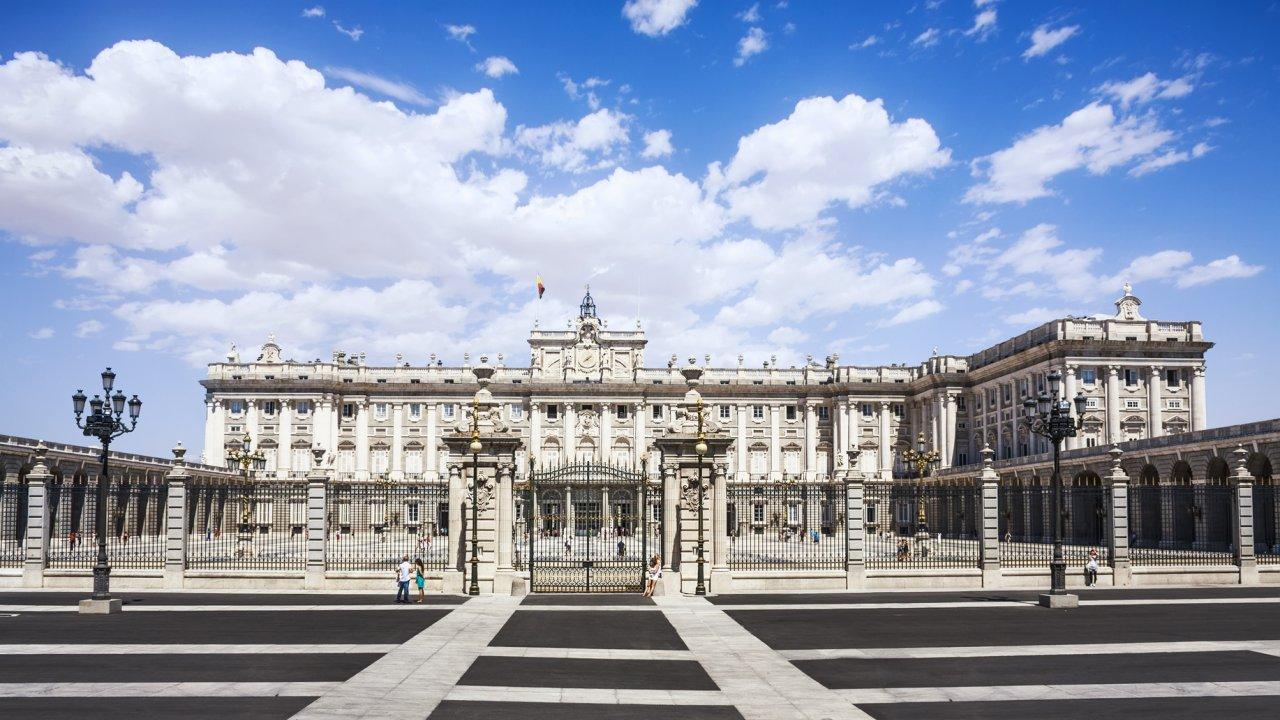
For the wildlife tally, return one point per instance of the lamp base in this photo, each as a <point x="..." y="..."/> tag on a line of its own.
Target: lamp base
<point x="101" y="607"/>
<point x="1059" y="602"/>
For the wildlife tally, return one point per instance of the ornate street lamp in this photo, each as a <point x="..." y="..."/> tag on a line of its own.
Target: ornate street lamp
<point x="1049" y="416"/>
<point x="701" y="449"/>
<point x="475" y="448"/>
<point x="245" y="459"/>
<point x="922" y="460"/>
<point x="106" y="423"/>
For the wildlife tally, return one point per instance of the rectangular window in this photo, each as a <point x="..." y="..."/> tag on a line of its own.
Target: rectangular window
<point x="867" y="410"/>
<point x="1173" y="378"/>
<point x="415" y="411"/>
<point x="1088" y="376"/>
<point x="380" y="411"/>
<point x="1131" y="405"/>
<point x="1091" y="404"/>
<point x="269" y="408"/>
<point x="960" y="402"/>
<point x="1174" y="404"/>
<point x="757" y="412"/>
<point x="897" y="410"/>
<point x="621" y="412"/>
<point x="725" y="412"/>
<point x="303" y="407"/>
<point x="1130" y="377"/>
<point x="791" y="412"/>
<point x="824" y="412"/>
<point x="348" y="410"/>
<point x="447" y="410"/>
<point x="1022" y="388"/>
<point x="237" y="407"/>
<point x="553" y="412"/>
<point x="517" y="412"/>
<point x="657" y="412"/>
<point x="1008" y="393"/>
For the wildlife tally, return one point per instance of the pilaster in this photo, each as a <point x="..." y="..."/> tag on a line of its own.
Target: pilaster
<point x="317" y="492"/>
<point x="1246" y="560"/>
<point x="990" y="551"/>
<point x="1119" y="541"/>
<point x="856" y="538"/>
<point x="175" y="526"/>
<point x="37" y="536"/>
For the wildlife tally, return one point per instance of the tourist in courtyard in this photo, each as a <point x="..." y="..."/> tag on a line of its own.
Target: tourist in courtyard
<point x="71" y="539"/>
<point x="1091" y="569"/>
<point x="402" y="581"/>
<point x="622" y="548"/>
<point x="420" y="578"/>
<point x="653" y="575"/>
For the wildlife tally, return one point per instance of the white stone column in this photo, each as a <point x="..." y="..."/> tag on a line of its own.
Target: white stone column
<point x="886" y="443"/>
<point x="638" y="417"/>
<point x="362" y="438"/>
<point x="320" y="422"/>
<point x="949" y="431"/>
<point x="175" y="521"/>
<point x="1113" y="405"/>
<point x="251" y="420"/>
<point x="284" y="452"/>
<point x="431" y="444"/>
<point x="852" y="436"/>
<point x="670" y="499"/>
<point x="1070" y="390"/>
<point x="317" y="491"/>
<point x="606" y="433"/>
<point x="990" y="550"/>
<point x="506" y="515"/>
<point x="397" y="440"/>
<point x="456" y="520"/>
<point x="840" y="427"/>
<point x="215" y="428"/>
<point x="535" y="431"/>
<point x="37" y="537"/>
<point x="719" y="517"/>
<point x="775" y="442"/>
<point x="1199" y="402"/>
<point x="939" y="440"/>
<point x="744" y="452"/>
<point x="810" y="440"/>
<point x="1155" y="419"/>
<point x="570" y="432"/>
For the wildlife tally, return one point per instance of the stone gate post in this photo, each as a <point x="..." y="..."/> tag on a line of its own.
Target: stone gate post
<point x="1246" y="560"/>
<point x="175" y="520"/>
<point x="856" y="532"/>
<point x="671" y="492"/>
<point x="37" y="537"/>
<point x="1118" y="540"/>
<point x="990" y="550"/>
<point x="317" y="532"/>
<point x="717" y="538"/>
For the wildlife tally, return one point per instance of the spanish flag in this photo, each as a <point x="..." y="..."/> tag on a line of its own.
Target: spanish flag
<point x="541" y="288"/>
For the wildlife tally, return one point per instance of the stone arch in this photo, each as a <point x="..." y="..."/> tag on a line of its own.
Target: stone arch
<point x="1086" y="507"/>
<point x="550" y="452"/>
<point x="1180" y="473"/>
<point x="1146" y="517"/>
<point x="1149" y="475"/>
<point x="1259" y="466"/>
<point x="620" y="454"/>
<point x="1216" y="471"/>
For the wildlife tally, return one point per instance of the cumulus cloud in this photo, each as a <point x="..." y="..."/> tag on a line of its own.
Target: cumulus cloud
<point x="1167" y="158"/>
<point x="915" y="311"/>
<point x="43" y="333"/>
<point x="1036" y="316"/>
<point x="1227" y="268"/>
<point x="786" y="174"/>
<point x="497" y="66"/>
<point x="657" y="17"/>
<point x="657" y="144"/>
<point x="1145" y="88"/>
<point x="403" y="92"/>
<point x="89" y="328"/>
<point x="1091" y="137"/>
<point x="590" y="143"/>
<point x="1044" y="40"/>
<point x="753" y="43"/>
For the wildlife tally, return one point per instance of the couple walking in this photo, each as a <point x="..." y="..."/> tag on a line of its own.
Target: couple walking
<point x="415" y="573"/>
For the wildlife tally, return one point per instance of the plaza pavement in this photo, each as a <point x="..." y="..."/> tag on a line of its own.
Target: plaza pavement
<point x="1168" y="653"/>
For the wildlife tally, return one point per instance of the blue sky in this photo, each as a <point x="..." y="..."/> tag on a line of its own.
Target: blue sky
<point x="772" y="179"/>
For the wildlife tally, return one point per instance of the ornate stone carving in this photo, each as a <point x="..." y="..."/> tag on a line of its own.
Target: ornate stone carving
<point x="484" y="493"/>
<point x="587" y="423"/>
<point x="689" y="495"/>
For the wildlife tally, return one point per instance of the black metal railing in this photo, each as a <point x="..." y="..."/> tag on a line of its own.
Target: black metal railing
<point x="13" y="524"/>
<point x="135" y="524"/>
<point x="786" y="526"/>
<point x="372" y="526"/>
<point x="247" y="526"/>
<point x="1026" y="524"/>
<point x="1266" y="513"/>
<point x="948" y="537"/>
<point x="1181" y="524"/>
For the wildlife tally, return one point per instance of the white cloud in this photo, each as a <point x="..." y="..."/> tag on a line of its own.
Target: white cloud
<point x="355" y="33"/>
<point x="585" y="89"/>
<point x="497" y="66"/>
<point x="1227" y="268"/>
<point x="403" y="92"/>
<point x="1091" y="138"/>
<point x="43" y="333"/>
<point x="657" y="17"/>
<point x="973" y="252"/>
<point x="984" y="23"/>
<point x="784" y="335"/>
<point x="591" y="143"/>
<point x="1036" y="316"/>
<point x="461" y="33"/>
<point x="751" y="15"/>
<point x="866" y="43"/>
<point x="928" y="38"/>
<point x="786" y="174"/>
<point x="657" y="144"/>
<point x="1146" y="88"/>
<point x="1043" y="39"/>
<point x="915" y="311"/>
<point x="313" y="12"/>
<point x="753" y="43"/>
<point x="89" y="327"/>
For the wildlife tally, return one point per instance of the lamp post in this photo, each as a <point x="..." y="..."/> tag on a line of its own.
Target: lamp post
<point x="701" y="449"/>
<point x="106" y="423"/>
<point x="475" y="447"/>
<point x="922" y="460"/>
<point x="245" y="459"/>
<point x="1049" y="416"/>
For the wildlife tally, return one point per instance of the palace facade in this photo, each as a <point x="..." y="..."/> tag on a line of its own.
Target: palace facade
<point x="587" y="393"/>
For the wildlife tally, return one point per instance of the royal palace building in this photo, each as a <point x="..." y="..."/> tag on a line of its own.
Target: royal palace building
<point x="587" y="393"/>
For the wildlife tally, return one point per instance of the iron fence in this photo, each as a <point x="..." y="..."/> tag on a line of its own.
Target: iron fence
<point x="372" y="525"/>
<point x="1181" y="525"/>
<point x="13" y="523"/>
<point x="786" y="526"/>
<point x="1026" y="524"/>
<point x="247" y="526"/>
<point x="945" y="535"/>
<point x="135" y="524"/>
<point x="1266" y="546"/>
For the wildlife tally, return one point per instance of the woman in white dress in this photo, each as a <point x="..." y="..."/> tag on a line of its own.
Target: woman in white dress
<point x="653" y="575"/>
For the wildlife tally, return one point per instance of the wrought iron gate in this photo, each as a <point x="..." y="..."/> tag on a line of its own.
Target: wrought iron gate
<point x="588" y="527"/>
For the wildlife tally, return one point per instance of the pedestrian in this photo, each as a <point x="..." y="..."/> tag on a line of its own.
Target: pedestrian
<point x="71" y="538"/>
<point x="622" y="548"/>
<point x="420" y="577"/>
<point x="653" y="575"/>
<point x="568" y="547"/>
<point x="402" y="581"/>
<point x="1091" y="569"/>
